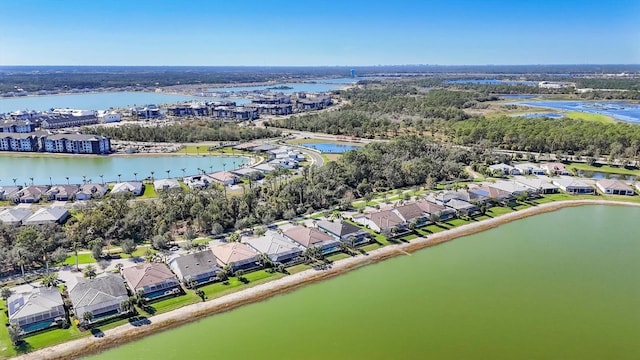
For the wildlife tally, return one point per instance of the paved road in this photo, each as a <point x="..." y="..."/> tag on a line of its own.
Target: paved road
<point x="316" y="158"/>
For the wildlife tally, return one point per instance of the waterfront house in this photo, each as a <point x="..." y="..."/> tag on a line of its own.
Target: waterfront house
<point x="155" y="280"/>
<point x="150" y="111"/>
<point x="554" y="168"/>
<point x="411" y="213"/>
<point x="463" y="208"/>
<point x="166" y="184"/>
<point x="344" y="231"/>
<point x="101" y="296"/>
<point x="225" y="178"/>
<point x="249" y="171"/>
<point x="61" y="192"/>
<point x="265" y="168"/>
<point x="200" y="268"/>
<point x="539" y="185"/>
<point x="285" y="163"/>
<point x="441" y="211"/>
<point x="504" y="169"/>
<point x="198" y="181"/>
<point x="529" y="169"/>
<point x="574" y="186"/>
<point x="496" y="195"/>
<point x="9" y="192"/>
<point x="47" y="215"/>
<point x="312" y="237"/>
<point x="238" y="256"/>
<point x="14" y="215"/>
<point x="263" y="148"/>
<point x="381" y="220"/>
<point x="614" y="187"/>
<point x="512" y="187"/>
<point x="91" y="191"/>
<point x="30" y="194"/>
<point x="37" y="309"/>
<point x="136" y="188"/>
<point x="246" y="146"/>
<point x="277" y="247"/>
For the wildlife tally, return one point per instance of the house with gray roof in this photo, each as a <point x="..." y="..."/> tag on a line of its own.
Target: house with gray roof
<point x="62" y="192"/>
<point x="529" y="169"/>
<point x="312" y="237"/>
<point x="37" y="309"/>
<point x="431" y="207"/>
<point x="91" y="191"/>
<point x="382" y="220"/>
<point x="155" y="280"/>
<point x="277" y="247"/>
<point x="101" y="296"/>
<point x="463" y="208"/>
<point x="166" y="184"/>
<point x="200" y="267"/>
<point x="47" y="215"/>
<point x="344" y="231"/>
<point x="504" y="169"/>
<point x="128" y="187"/>
<point x="14" y="216"/>
<point x="246" y="172"/>
<point x="574" y="186"/>
<point x="614" y="187"/>
<point x="512" y="187"/>
<point x="265" y="168"/>
<point x="9" y="192"/>
<point x="538" y="185"/>
<point x="30" y="194"/>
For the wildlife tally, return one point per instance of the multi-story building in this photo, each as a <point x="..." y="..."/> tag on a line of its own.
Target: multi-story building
<point x="18" y="142"/>
<point x="76" y="144"/>
<point x="17" y="126"/>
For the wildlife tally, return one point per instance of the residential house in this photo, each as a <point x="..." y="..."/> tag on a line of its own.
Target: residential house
<point x="285" y="163"/>
<point x="614" y="187"/>
<point x="198" y="181"/>
<point x="136" y="188"/>
<point x="310" y="236"/>
<point x="166" y="184"/>
<point x="263" y="148"/>
<point x="441" y="211"/>
<point x="91" y="191"/>
<point x="36" y="309"/>
<point x="154" y="280"/>
<point x="265" y="168"/>
<point x="62" y="192"/>
<point x="463" y="208"/>
<point x="573" y="186"/>
<point x="344" y="231"/>
<point x="101" y="296"/>
<point x="554" y="168"/>
<point x="200" y="268"/>
<point x="225" y="178"/>
<point x="539" y="185"/>
<point x="47" y="215"/>
<point x="412" y="213"/>
<point x="146" y="112"/>
<point x="237" y="255"/>
<point x="14" y="215"/>
<point x="496" y="195"/>
<point x="246" y="146"/>
<point x="512" y="187"/>
<point x="381" y="221"/>
<point x="9" y="192"/>
<point x="30" y="194"/>
<point x="248" y="171"/>
<point x="277" y="247"/>
<point x="529" y="169"/>
<point x="504" y="169"/>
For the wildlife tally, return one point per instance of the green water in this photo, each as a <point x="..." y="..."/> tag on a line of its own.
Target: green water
<point x="563" y="285"/>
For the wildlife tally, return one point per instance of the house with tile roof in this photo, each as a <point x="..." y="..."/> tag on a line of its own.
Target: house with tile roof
<point x="200" y="268"/>
<point x="62" y="192"/>
<point x="155" y="280"/>
<point x="312" y="237"/>
<point x="277" y="247"/>
<point x="237" y="255"/>
<point x="381" y="220"/>
<point x="574" y="186"/>
<point x="430" y="207"/>
<point x="614" y="187"/>
<point x="101" y="296"/>
<point x="540" y="185"/>
<point x="37" y="309"/>
<point x="344" y="231"/>
<point x="91" y="191"/>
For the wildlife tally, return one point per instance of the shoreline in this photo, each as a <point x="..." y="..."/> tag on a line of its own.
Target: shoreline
<point x="127" y="332"/>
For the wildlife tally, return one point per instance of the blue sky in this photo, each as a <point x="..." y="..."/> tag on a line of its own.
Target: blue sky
<point x="275" y="32"/>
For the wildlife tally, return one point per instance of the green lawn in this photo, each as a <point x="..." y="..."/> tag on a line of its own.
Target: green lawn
<point x="604" y="169"/>
<point x="82" y="259"/>
<point x="589" y="117"/>
<point x="149" y="192"/>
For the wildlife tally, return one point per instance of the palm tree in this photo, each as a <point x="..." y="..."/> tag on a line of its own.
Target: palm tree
<point x="15" y="333"/>
<point x="87" y="316"/>
<point x="264" y="260"/>
<point x="50" y="280"/>
<point x="89" y="271"/>
<point x="66" y="177"/>
<point x="50" y="181"/>
<point x="190" y="283"/>
<point x="153" y="172"/>
<point x="168" y="172"/>
<point x="119" y="175"/>
<point x="125" y="306"/>
<point x="84" y="179"/>
<point x="200" y="294"/>
<point x="135" y="176"/>
<point x="75" y="246"/>
<point x="14" y="181"/>
<point x="102" y="179"/>
<point x="183" y="172"/>
<point x="31" y="178"/>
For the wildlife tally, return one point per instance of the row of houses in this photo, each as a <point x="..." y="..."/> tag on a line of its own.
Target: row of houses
<point x="40" y="308"/>
<point x="69" y="192"/>
<point x="279" y="157"/>
<point x="55" y="143"/>
<point x="27" y="121"/>
<point x="26" y="216"/>
<point x="551" y="168"/>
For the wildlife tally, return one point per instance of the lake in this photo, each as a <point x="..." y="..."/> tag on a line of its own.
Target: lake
<point x="561" y="285"/>
<point x="620" y="110"/>
<point x="315" y="85"/>
<point x="96" y="101"/>
<point x="600" y="175"/>
<point x="331" y="148"/>
<point x="75" y="167"/>
<point x="539" y="115"/>
<point x="492" y="82"/>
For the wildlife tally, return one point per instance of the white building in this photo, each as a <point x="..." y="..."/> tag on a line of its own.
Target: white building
<point x="108" y="116"/>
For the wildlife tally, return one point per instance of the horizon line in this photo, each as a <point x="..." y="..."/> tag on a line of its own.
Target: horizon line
<point x="328" y="66"/>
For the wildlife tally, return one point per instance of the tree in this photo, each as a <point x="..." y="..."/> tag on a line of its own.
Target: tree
<point x="128" y="246"/>
<point x="434" y="217"/>
<point x="15" y="333"/>
<point x="235" y="237"/>
<point x="289" y="214"/>
<point x="216" y="229"/>
<point x="148" y="254"/>
<point x="5" y="292"/>
<point x="160" y="242"/>
<point x="126" y="306"/>
<point x="89" y="271"/>
<point x="96" y="249"/>
<point x="87" y="316"/>
<point x="200" y="294"/>
<point x="50" y="280"/>
<point x="240" y="275"/>
<point x="190" y="283"/>
<point x="221" y="275"/>
<point x="264" y="260"/>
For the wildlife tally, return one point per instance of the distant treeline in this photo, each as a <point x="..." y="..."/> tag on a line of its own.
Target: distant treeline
<point x="186" y="132"/>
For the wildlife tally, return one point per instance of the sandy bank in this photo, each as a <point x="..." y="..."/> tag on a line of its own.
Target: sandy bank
<point x="127" y="332"/>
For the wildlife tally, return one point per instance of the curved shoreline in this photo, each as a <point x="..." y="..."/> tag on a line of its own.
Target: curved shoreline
<point x="127" y="332"/>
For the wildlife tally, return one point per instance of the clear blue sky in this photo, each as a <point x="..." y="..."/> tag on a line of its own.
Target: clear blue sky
<point x="275" y="32"/>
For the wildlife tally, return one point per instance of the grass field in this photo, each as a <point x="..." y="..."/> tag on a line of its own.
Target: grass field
<point x="604" y="169"/>
<point x="149" y="192"/>
<point x="82" y="259"/>
<point x="577" y="115"/>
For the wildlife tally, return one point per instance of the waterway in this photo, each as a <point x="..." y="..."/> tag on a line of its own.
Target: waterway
<point x="96" y="101"/>
<point x="492" y="82"/>
<point x="540" y="115"/>
<point x="48" y="169"/>
<point x="621" y="110"/>
<point x="331" y="148"/>
<point x="561" y="285"/>
<point x="316" y="85"/>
